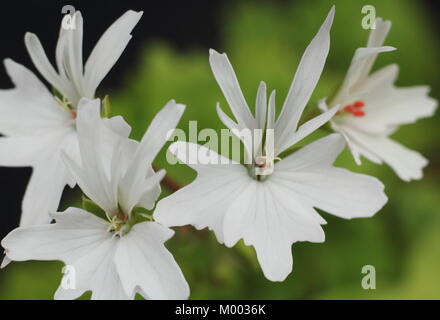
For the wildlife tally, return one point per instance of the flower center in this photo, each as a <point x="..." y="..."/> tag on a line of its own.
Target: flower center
<point x="355" y="109"/>
<point x="118" y="224"/>
<point x="262" y="167"/>
<point x="73" y="113"/>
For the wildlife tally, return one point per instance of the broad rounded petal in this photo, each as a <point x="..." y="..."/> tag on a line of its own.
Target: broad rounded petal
<point x="408" y="164"/>
<point x="81" y="241"/>
<point x="214" y="188"/>
<point x="108" y="49"/>
<point x="68" y="294"/>
<point x="29" y="108"/>
<point x="56" y="241"/>
<point x="353" y="147"/>
<point x="25" y="151"/>
<point x="227" y="80"/>
<point x="335" y="190"/>
<point x="319" y="153"/>
<point x="144" y="262"/>
<point x="270" y="217"/>
<point x="387" y="106"/>
<point x="304" y="82"/>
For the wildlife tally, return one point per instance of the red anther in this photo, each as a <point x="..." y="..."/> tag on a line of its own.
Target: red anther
<point x="355" y="108"/>
<point x="72" y="113"/>
<point x="358" y="113"/>
<point x="359" y="104"/>
<point x="350" y="108"/>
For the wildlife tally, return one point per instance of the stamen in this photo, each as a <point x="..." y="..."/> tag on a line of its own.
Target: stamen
<point x="72" y="113"/>
<point x="355" y="108"/>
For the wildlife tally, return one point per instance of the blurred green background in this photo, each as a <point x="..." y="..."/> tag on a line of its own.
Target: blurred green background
<point x="264" y="41"/>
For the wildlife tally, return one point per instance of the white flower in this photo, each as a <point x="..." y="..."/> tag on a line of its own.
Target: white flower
<point x="372" y="109"/>
<point x="273" y="211"/>
<point x="37" y="125"/>
<point x="114" y="256"/>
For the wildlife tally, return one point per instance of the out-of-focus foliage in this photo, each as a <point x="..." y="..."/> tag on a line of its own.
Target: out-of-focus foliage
<point x="264" y="41"/>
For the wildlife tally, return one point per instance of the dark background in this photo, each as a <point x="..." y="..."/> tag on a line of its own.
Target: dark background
<point x="183" y="24"/>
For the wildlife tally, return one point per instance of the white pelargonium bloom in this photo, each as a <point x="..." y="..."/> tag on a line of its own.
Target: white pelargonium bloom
<point x="115" y="256"/>
<point x="273" y="211"/>
<point x="373" y="108"/>
<point x="37" y="124"/>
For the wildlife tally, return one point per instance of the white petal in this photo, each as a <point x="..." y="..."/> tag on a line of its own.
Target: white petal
<point x="80" y="240"/>
<point x="93" y="174"/>
<point x="72" y="236"/>
<point x="143" y="262"/>
<point x="304" y="82"/>
<point x="261" y="106"/>
<point x="68" y="294"/>
<point x="152" y="142"/>
<point x="42" y="63"/>
<point x="227" y="121"/>
<point x="215" y="187"/>
<point x="69" y="59"/>
<point x="387" y="106"/>
<point x="358" y="72"/>
<point x="270" y="217"/>
<point x="408" y="164"/>
<point x="25" y="151"/>
<point x="5" y="262"/>
<point x="29" y="108"/>
<point x="377" y="35"/>
<point x="308" y="173"/>
<point x="108" y="49"/>
<point x="309" y="127"/>
<point x="43" y="192"/>
<point x="227" y="80"/>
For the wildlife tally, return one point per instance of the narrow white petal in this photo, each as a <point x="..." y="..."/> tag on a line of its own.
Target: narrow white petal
<point x="144" y="262"/>
<point x="261" y="106"/>
<point x="72" y="60"/>
<point x="42" y="63"/>
<point x="227" y="121"/>
<point x="6" y="261"/>
<point x="96" y="144"/>
<point x="152" y="142"/>
<point x="308" y="127"/>
<point x="377" y="35"/>
<point x="227" y="80"/>
<point x="304" y="82"/>
<point x="108" y="50"/>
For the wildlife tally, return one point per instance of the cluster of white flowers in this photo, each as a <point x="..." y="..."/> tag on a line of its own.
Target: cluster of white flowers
<point x="118" y="250"/>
